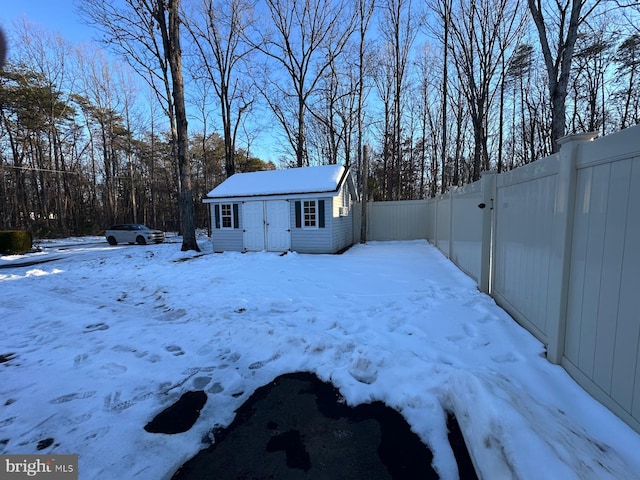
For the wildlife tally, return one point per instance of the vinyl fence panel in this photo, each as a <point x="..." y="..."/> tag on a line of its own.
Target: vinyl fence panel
<point x="523" y="242"/>
<point x="466" y="229"/>
<point x="603" y="310"/>
<point x="395" y="220"/>
<point x="565" y="257"/>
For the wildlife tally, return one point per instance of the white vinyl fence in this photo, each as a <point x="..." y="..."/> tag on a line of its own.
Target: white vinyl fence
<point x="399" y="220"/>
<point x="459" y="224"/>
<point x="557" y="244"/>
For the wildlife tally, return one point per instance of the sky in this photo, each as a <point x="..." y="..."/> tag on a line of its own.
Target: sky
<point x="101" y="339"/>
<point x="60" y="16"/>
<point x="55" y="16"/>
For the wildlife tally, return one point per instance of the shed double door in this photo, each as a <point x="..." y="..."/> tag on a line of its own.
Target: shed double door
<point x="266" y="225"/>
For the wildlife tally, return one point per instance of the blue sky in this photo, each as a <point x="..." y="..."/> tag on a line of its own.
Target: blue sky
<point x="60" y="16"/>
<point x="53" y="15"/>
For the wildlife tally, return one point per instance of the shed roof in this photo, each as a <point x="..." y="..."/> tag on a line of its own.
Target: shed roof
<point x="324" y="178"/>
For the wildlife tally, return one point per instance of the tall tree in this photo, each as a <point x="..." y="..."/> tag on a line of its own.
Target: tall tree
<point x="627" y="58"/>
<point x="308" y="36"/>
<point x="100" y="101"/>
<point x="482" y="32"/>
<point x="147" y="35"/>
<point x="518" y="76"/>
<point x="47" y="56"/>
<point x="364" y="12"/>
<point x="557" y="24"/>
<point x="591" y="61"/>
<point x="218" y="30"/>
<point x="399" y="30"/>
<point x="168" y="18"/>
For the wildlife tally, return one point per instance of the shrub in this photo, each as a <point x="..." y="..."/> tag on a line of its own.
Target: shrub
<point x="15" y="242"/>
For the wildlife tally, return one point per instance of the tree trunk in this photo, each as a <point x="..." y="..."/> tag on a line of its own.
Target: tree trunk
<point x="558" y="67"/>
<point x="445" y="91"/>
<point x="365" y="194"/>
<point x="174" y="53"/>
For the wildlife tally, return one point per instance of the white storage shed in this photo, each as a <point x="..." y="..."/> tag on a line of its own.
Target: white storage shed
<point x="307" y="210"/>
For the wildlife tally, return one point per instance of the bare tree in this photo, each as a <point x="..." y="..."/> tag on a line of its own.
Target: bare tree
<point x="518" y="77"/>
<point x="364" y="12"/>
<point x="47" y="56"/>
<point x="591" y="62"/>
<point x="383" y="80"/>
<point x="101" y="105"/>
<point x="558" y="31"/>
<point x="442" y="9"/>
<point x="482" y="33"/>
<point x="627" y="58"/>
<point x="147" y="35"/>
<point x="308" y="36"/>
<point x="399" y="31"/>
<point x="218" y="34"/>
<point x="428" y="109"/>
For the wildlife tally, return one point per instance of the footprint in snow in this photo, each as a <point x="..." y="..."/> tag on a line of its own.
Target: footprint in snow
<point x="363" y="369"/>
<point x="228" y="359"/>
<point x="262" y="363"/>
<point x="73" y="396"/>
<point x="206" y="349"/>
<point x="112" y="402"/>
<point x="7" y="421"/>
<point x="94" y="327"/>
<point x="114" y="368"/>
<point x="97" y="433"/>
<point x="175" y="350"/>
<point x="80" y="360"/>
<point x="200" y="382"/>
<point x="154" y="358"/>
<point x="128" y="349"/>
<point x="171" y="315"/>
<point x="215" y="388"/>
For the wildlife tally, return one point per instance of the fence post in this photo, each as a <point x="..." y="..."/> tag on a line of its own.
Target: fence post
<point x="451" y="220"/>
<point x="488" y="194"/>
<point x="558" y="285"/>
<point x="431" y="212"/>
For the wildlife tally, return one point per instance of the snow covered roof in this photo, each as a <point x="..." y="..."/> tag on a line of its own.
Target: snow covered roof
<point x="324" y="178"/>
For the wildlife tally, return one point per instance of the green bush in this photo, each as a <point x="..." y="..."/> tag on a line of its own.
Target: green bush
<point x="15" y="242"/>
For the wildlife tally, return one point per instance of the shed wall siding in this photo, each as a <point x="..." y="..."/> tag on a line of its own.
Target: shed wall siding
<point x="312" y="240"/>
<point x="227" y="239"/>
<point x="341" y="232"/>
<point x="341" y="227"/>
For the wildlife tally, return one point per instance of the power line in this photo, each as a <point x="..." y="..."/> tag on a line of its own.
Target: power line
<point x="36" y="169"/>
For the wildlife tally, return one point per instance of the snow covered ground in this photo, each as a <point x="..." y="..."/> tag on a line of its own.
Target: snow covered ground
<point x="104" y="338"/>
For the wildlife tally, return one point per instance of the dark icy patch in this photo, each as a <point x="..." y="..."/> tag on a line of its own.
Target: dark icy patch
<point x="44" y="443"/>
<point x="180" y="416"/>
<point x="456" y="440"/>
<point x="7" y="357"/>
<point x="298" y="427"/>
<point x="292" y="444"/>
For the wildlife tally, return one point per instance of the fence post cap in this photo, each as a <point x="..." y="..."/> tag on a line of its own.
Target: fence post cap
<point x="577" y="137"/>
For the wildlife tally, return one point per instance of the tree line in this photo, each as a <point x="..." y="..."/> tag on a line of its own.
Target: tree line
<point x="439" y="91"/>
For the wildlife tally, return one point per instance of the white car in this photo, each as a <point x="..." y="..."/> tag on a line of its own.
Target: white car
<point x="133" y="233"/>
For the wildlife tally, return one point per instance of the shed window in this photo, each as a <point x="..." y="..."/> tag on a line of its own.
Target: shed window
<point x="226" y="215"/>
<point x="310" y="213"/>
